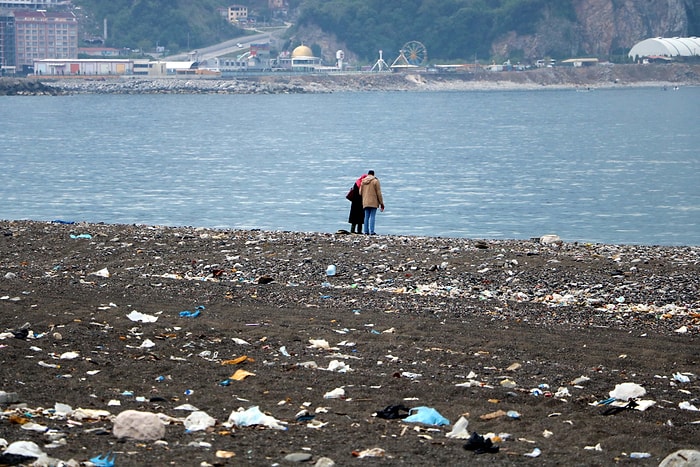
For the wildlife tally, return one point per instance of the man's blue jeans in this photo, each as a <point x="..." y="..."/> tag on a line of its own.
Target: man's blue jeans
<point x="370" y="214"/>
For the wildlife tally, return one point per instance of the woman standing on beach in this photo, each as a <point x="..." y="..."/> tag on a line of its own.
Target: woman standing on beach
<point x="357" y="213"/>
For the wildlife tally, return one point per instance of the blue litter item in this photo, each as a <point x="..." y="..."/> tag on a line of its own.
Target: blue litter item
<point x="190" y="314"/>
<point x="607" y="401"/>
<point x="59" y="221"/>
<point x="427" y="416"/>
<point x="81" y="236"/>
<point x="104" y="461"/>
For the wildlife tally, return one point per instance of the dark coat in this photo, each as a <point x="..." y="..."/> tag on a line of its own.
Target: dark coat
<point x="357" y="213"/>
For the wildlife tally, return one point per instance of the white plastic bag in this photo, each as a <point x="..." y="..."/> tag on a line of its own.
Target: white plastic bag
<point x="198" y="421"/>
<point x="253" y="416"/>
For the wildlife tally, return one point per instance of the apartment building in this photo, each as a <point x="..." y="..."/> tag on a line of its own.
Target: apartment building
<point x="41" y="34"/>
<point x="237" y="13"/>
<point x="7" y="43"/>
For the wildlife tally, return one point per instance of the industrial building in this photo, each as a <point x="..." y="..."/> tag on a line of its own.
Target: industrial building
<point x="666" y="47"/>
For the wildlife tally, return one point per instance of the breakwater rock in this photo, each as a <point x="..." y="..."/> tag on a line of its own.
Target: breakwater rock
<point x="26" y="87"/>
<point x="174" y="86"/>
<point x="601" y="76"/>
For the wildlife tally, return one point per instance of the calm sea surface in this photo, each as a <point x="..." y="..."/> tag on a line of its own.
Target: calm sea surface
<point x="612" y="166"/>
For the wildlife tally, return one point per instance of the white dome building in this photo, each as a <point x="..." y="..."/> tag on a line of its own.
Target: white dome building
<point x="666" y="47"/>
<point x="301" y="59"/>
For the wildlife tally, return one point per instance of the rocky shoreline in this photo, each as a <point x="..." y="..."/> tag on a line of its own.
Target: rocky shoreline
<point x="547" y="78"/>
<point x="189" y="328"/>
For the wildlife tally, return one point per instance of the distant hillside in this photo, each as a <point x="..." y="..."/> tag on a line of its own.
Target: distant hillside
<point x="174" y="24"/>
<point x="496" y="29"/>
<point x="451" y="30"/>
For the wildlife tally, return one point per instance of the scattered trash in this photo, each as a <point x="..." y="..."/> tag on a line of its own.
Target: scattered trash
<point x="393" y="412"/>
<point x="330" y="270"/>
<point x="426" y="415"/>
<point x="410" y="375"/>
<point x="141" y="317"/>
<point x="236" y="361"/>
<point x="253" y="416"/>
<point x="104" y="461"/>
<point x="338" y="366"/>
<point x="147" y="344"/>
<point x="639" y="455"/>
<point x="627" y="391"/>
<point x="493" y="415"/>
<point x="240" y="375"/>
<point x="480" y="445"/>
<point x="198" y="421"/>
<point x="192" y="314"/>
<point x="459" y="430"/>
<point x="615" y="407"/>
<point x="374" y="452"/>
<point x="88" y="236"/>
<point x="188" y="407"/>
<point x="337" y="393"/>
<point x="597" y="447"/>
<point x="319" y="344"/>
<point x="304" y="416"/>
<point x="179" y="344"/>
<point x="21" y="451"/>
<point x="681" y="378"/>
<point x="508" y="383"/>
<point x="101" y="273"/>
<point x="685" y="405"/>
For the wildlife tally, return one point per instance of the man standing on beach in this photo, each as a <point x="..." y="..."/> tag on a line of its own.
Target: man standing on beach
<point x="371" y="192"/>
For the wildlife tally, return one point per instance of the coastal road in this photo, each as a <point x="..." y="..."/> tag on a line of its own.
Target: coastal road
<point x="230" y="46"/>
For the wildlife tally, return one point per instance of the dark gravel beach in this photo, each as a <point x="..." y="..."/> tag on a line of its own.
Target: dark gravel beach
<point x="524" y="339"/>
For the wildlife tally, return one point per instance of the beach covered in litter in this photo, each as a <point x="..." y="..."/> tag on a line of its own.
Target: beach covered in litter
<point x="152" y="345"/>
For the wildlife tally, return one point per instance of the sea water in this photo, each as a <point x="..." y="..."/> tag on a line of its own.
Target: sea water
<point x="612" y="166"/>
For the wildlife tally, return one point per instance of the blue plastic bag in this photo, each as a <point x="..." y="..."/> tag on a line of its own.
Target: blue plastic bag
<point x="427" y="416"/>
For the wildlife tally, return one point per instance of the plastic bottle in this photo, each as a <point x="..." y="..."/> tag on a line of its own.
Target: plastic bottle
<point x="330" y="270"/>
